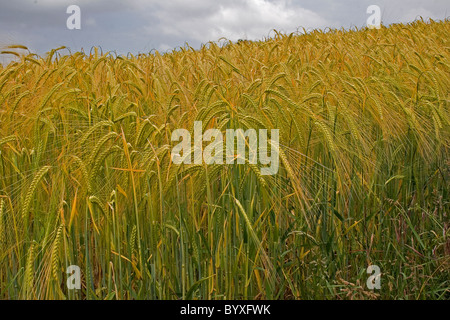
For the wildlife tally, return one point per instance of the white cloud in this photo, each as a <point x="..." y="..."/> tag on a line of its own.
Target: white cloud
<point x="416" y="13"/>
<point x="250" y="19"/>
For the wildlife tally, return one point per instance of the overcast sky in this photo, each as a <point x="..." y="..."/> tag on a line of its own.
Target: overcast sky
<point x="142" y="25"/>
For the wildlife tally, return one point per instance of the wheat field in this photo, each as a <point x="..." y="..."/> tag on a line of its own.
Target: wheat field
<point x="86" y="176"/>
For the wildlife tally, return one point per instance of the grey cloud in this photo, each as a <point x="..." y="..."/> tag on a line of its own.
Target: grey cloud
<point x="141" y="25"/>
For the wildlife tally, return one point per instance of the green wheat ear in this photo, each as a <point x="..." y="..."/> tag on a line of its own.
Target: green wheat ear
<point x="133" y="240"/>
<point x="55" y="253"/>
<point x="7" y="139"/>
<point x="32" y="189"/>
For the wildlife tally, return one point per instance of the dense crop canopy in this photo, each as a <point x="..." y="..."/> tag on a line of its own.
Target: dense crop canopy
<point x="86" y="176"/>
